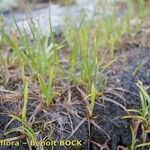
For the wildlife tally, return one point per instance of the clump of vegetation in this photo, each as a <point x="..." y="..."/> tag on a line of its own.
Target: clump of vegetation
<point x="25" y="129"/>
<point x="91" y="45"/>
<point x="88" y="46"/>
<point x="141" y="118"/>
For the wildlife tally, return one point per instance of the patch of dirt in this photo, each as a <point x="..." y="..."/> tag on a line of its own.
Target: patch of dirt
<point x="68" y="118"/>
<point x="63" y="120"/>
<point x="121" y="88"/>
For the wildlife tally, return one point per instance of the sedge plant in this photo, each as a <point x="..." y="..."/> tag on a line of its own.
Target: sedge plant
<point x="39" y="55"/>
<point x="141" y="115"/>
<point x="26" y="128"/>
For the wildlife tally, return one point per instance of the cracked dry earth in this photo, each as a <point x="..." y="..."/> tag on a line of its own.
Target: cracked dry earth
<point x="67" y="117"/>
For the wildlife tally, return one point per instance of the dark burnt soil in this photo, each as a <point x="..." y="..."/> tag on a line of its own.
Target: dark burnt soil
<point x="63" y="120"/>
<point x="67" y="117"/>
<point x="121" y="88"/>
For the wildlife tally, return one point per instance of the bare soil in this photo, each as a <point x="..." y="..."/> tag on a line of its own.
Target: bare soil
<point x="68" y="117"/>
